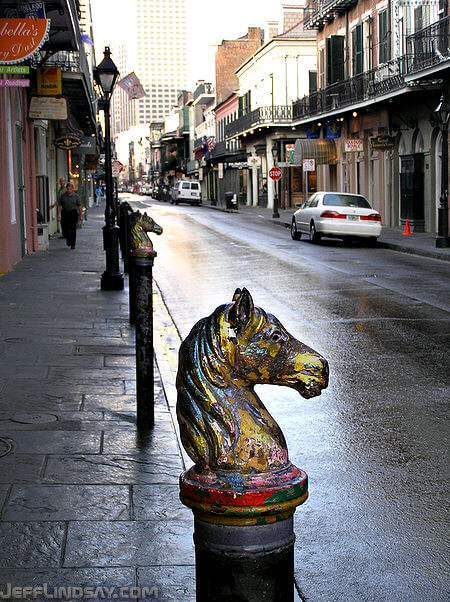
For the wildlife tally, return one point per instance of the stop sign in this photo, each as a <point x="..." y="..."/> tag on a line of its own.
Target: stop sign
<point x="275" y="173"/>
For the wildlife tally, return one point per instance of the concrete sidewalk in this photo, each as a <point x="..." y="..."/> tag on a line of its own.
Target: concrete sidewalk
<point x="85" y="501"/>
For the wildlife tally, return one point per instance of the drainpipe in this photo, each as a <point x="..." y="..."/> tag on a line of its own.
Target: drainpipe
<point x="286" y="79"/>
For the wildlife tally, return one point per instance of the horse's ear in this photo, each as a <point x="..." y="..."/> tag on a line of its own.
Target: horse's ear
<point x="237" y="292"/>
<point x="240" y="313"/>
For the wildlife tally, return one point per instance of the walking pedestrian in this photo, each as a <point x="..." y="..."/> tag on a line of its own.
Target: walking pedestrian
<point x="61" y="190"/>
<point x="71" y="210"/>
<point x="98" y="195"/>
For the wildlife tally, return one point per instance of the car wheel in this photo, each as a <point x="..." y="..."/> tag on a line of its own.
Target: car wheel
<point x="314" y="237"/>
<point x="295" y="235"/>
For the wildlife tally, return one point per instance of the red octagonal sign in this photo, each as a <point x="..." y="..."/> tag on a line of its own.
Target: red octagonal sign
<point x="275" y="173"/>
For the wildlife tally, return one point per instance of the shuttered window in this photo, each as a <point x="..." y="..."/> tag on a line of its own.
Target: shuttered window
<point x="357" y="50"/>
<point x="335" y="59"/>
<point x="383" y="37"/>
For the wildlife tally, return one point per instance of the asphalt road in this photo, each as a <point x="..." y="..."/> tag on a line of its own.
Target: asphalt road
<point x="374" y="443"/>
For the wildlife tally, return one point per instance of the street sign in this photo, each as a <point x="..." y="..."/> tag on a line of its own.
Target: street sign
<point x="309" y="164"/>
<point x="275" y="173"/>
<point x="116" y="168"/>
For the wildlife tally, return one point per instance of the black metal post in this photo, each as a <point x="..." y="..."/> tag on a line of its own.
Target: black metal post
<point x="442" y="239"/>
<point x="111" y="279"/>
<point x="250" y="562"/>
<point x="275" y="154"/>
<point x="142" y="269"/>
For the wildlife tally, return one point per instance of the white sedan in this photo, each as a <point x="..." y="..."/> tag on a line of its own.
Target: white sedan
<point x="336" y="215"/>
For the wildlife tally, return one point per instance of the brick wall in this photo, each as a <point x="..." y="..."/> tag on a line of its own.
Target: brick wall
<point x="229" y="56"/>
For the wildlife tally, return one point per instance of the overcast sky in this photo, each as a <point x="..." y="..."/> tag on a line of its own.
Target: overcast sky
<point x="208" y="23"/>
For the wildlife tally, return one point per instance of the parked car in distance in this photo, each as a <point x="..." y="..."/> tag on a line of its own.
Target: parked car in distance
<point x="186" y="191"/>
<point x="336" y="215"/>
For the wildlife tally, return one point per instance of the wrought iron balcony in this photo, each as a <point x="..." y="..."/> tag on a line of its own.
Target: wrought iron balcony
<point x="320" y="12"/>
<point x="369" y="85"/>
<point x="429" y="46"/>
<point x="205" y="90"/>
<point x="276" y="115"/>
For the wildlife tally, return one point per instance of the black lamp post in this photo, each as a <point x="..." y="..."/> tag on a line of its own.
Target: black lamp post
<point x="275" y="214"/>
<point x="106" y="75"/>
<point x="442" y="113"/>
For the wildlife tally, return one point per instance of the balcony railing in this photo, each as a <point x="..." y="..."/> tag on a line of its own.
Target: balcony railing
<point x="204" y="89"/>
<point x="379" y="81"/>
<point x="429" y="46"/>
<point x="276" y="115"/>
<point x="319" y="12"/>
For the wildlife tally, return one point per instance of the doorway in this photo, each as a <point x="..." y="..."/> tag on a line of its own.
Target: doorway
<point x="412" y="205"/>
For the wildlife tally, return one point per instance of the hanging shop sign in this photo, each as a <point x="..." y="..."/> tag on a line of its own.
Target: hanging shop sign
<point x="68" y="141"/>
<point x="333" y="129"/>
<point x="353" y="145"/>
<point x="30" y="10"/>
<point x="254" y="161"/>
<point x="14" y="70"/>
<point x="383" y="142"/>
<point x="49" y="81"/>
<point x="48" y="107"/>
<point x="21" y="38"/>
<point x="14" y="83"/>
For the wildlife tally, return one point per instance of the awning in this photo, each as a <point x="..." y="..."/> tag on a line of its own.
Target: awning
<point x="323" y="151"/>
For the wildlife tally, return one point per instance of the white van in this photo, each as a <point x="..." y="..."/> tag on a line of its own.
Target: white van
<point x="186" y="191"/>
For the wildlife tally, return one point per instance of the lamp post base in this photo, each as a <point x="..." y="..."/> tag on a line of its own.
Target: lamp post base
<point x="442" y="242"/>
<point x="111" y="282"/>
<point x="442" y="238"/>
<point x="112" y="278"/>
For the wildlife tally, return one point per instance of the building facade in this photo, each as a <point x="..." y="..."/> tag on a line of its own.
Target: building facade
<point x="382" y="67"/>
<point x="47" y="123"/>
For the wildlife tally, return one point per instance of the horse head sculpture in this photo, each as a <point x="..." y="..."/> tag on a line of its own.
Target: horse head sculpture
<point x="140" y="225"/>
<point x="224" y="425"/>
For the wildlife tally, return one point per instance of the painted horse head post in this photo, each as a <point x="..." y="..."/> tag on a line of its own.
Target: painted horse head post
<point x="242" y="489"/>
<point x="140" y="226"/>
<point x="238" y="449"/>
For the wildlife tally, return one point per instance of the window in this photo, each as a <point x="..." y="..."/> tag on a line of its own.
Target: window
<point x="383" y="37"/>
<point x="357" y="50"/>
<point x="335" y="59"/>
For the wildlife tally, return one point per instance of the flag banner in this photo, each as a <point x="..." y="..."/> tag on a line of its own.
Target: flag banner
<point x="132" y="86"/>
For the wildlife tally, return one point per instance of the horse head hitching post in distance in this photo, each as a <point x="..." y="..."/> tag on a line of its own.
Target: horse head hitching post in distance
<point x="243" y="489"/>
<point x="141" y="308"/>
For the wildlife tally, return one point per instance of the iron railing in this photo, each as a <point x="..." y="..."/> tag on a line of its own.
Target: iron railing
<point x="204" y="89"/>
<point x="275" y="115"/>
<point x="428" y="46"/>
<point x="318" y="12"/>
<point x="379" y="81"/>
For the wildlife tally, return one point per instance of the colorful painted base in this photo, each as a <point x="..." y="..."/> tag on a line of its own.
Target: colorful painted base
<point x="227" y="497"/>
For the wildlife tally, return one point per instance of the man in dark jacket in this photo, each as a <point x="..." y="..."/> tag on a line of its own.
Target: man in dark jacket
<point x="71" y="210"/>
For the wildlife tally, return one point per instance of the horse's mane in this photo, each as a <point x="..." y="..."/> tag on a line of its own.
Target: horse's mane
<point x="204" y="410"/>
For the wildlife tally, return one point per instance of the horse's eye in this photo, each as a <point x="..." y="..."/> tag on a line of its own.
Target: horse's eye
<point x="276" y="336"/>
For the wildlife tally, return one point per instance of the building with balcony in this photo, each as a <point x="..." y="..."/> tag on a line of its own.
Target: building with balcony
<point x="47" y="123"/>
<point x="269" y="81"/>
<point x="382" y="67"/>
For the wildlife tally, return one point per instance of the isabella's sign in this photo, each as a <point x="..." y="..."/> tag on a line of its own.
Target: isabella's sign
<point x="20" y="38"/>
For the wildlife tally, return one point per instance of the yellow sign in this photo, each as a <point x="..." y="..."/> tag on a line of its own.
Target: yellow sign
<point x="49" y="81"/>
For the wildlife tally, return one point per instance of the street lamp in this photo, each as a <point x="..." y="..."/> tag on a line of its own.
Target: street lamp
<point x="442" y="113"/>
<point x="106" y="75"/>
<point x="275" y="214"/>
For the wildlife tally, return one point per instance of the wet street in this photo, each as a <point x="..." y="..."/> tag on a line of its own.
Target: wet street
<point x="374" y="443"/>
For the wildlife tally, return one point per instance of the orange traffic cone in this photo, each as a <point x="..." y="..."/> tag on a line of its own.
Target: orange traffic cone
<point x="407" y="230"/>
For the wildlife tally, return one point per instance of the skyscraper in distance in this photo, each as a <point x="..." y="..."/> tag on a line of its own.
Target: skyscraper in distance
<point x="161" y="62"/>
